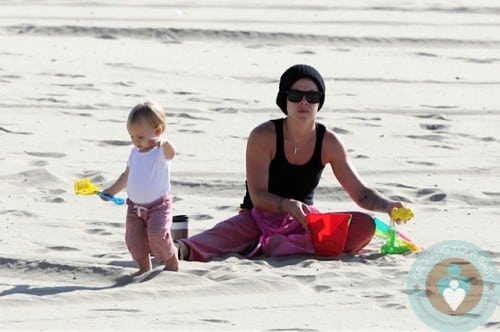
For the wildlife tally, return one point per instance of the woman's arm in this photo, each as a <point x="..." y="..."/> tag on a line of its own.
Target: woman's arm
<point x="260" y="151"/>
<point x="367" y="198"/>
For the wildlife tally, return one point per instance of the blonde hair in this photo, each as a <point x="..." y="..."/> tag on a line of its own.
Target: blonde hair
<point x="148" y="111"/>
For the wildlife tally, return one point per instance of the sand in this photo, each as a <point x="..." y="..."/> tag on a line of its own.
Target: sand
<point x="412" y="89"/>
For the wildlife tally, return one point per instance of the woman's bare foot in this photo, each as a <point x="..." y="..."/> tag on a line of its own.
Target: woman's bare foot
<point x="172" y="264"/>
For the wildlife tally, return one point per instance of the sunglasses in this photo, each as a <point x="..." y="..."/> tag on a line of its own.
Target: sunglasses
<point x="312" y="97"/>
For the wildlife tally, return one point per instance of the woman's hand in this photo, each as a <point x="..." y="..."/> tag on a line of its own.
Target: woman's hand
<point x="296" y="209"/>
<point x="396" y="205"/>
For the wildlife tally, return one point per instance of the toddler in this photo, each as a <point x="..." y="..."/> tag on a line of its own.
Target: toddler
<point x="147" y="179"/>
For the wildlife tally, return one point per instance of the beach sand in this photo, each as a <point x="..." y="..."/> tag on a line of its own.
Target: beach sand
<point x="412" y="89"/>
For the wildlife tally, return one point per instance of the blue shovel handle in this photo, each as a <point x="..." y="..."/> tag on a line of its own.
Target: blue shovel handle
<point x="114" y="199"/>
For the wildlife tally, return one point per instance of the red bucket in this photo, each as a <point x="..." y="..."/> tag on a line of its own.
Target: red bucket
<point x="328" y="232"/>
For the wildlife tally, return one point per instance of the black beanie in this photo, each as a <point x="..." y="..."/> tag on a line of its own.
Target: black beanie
<point x="293" y="74"/>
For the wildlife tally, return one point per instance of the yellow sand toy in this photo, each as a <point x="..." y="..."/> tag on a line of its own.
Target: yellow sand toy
<point x="86" y="187"/>
<point x="396" y="242"/>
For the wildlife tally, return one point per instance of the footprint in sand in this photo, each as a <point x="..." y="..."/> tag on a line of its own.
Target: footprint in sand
<point x="433" y="116"/>
<point x="399" y="185"/>
<point x="200" y="216"/>
<point x="19" y="213"/>
<point x="397" y="306"/>
<point x="113" y="143"/>
<point x="236" y="101"/>
<point x="366" y="122"/>
<point x="477" y="60"/>
<point x="51" y="199"/>
<point x="341" y="131"/>
<point x="426" y="54"/>
<point x="439" y="106"/>
<point x="5" y="78"/>
<point x="401" y="198"/>
<point x="322" y="289"/>
<point x="111" y="255"/>
<point x="423" y="163"/>
<point x="430" y="137"/>
<point x="98" y="231"/>
<point x="367" y="119"/>
<point x="115" y="224"/>
<point x="78" y="86"/>
<point x="492" y="194"/>
<point x="82" y="114"/>
<point x="63" y="248"/>
<point x="106" y="224"/>
<point x="191" y="131"/>
<point x="225" y="208"/>
<point x="306" y="52"/>
<point x="433" y="126"/>
<point x="215" y="101"/>
<point x="188" y="116"/>
<point x="53" y="196"/>
<point x="57" y="191"/>
<point x="442" y="146"/>
<point x="431" y="194"/>
<point x="93" y="175"/>
<point x="125" y="84"/>
<point x="225" y="110"/>
<point x="34" y="177"/>
<point x="45" y="154"/>
<point x="216" y="321"/>
<point x="39" y="163"/>
<point x="5" y="130"/>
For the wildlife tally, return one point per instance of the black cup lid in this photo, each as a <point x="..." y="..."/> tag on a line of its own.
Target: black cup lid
<point x="180" y="218"/>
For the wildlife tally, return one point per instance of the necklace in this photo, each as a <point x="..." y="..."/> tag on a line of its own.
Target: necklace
<point x="299" y="145"/>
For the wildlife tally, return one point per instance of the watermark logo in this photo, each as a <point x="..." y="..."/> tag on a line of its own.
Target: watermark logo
<point x="453" y="286"/>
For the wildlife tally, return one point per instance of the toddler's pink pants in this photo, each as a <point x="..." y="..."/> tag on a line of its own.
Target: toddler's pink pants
<point x="148" y="229"/>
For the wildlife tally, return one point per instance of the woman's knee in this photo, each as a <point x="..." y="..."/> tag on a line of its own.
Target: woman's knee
<point x="361" y="231"/>
<point x="364" y="223"/>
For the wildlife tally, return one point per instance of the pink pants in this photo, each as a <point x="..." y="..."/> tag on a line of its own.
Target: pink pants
<point x="240" y="234"/>
<point x="148" y="229"/>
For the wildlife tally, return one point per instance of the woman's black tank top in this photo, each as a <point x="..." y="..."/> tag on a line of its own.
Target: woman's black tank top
<point x="292" y="181"/>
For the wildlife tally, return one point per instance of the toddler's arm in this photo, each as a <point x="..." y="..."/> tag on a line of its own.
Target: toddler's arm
<point x="168" y="149"/>
<point x="119" y="185"/>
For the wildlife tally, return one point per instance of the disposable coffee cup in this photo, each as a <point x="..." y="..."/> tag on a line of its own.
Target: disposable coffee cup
<point x="179" y="228"/>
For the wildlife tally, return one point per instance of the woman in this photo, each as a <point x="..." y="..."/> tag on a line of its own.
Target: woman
<point x="284" y="162"/>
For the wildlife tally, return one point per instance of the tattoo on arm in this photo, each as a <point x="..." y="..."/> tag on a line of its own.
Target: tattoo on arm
<point x="370" y="199"/>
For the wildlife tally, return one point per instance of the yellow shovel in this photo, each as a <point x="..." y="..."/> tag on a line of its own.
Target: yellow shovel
<point x="86" y="187"/>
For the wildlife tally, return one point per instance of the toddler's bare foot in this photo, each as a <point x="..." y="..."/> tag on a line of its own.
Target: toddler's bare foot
<point x="172" y="264"/>
<point x="141" y="271"/>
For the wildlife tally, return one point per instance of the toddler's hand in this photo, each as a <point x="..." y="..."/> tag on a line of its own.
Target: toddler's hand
<point x="154" y="141"/>
<point x="106" y="192"/>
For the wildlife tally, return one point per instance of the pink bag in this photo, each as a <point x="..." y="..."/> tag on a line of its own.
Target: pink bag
<point x="281" y="235"/>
